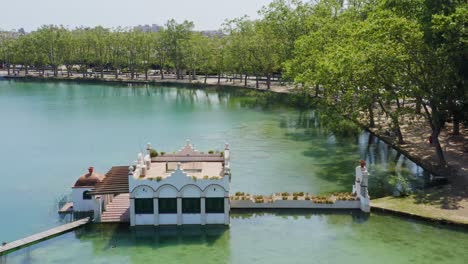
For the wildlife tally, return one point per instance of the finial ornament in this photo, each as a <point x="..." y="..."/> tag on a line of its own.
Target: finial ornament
<point x="362" y="163"/>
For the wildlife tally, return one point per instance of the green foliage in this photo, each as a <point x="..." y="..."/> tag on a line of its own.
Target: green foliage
<point x="401" y="185"/>
<point x="153" y="153"/>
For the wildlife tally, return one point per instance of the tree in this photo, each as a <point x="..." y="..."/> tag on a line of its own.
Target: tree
<point x="178" y="36"/>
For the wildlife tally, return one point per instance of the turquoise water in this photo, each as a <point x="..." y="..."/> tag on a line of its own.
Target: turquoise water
<point x="265" y="238"/>
<point x="51" y="132"/>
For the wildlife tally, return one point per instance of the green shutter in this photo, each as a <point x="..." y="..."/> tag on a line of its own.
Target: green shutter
<point x="214" y="205"/>
<point x="144" y="206"/>
<point x="167" y="205"/>
<point x="191" y="205"/>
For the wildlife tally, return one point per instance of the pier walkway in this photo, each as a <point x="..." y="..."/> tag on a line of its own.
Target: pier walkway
<point x="42" y="236"/>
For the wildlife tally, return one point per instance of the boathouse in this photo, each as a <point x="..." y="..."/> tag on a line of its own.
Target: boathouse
<point x="185" y="187"/>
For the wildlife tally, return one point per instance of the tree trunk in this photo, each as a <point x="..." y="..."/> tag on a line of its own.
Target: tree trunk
<point x="439" y="151"/>
<point x="256" y="81"/>
<point x="418" y="105"/>
<point x="26" y="70"/>
<point x="116" y="73"/>
<point x="162" y="73"/>
<point x="268" y="81"/>
<point x="436" y="127"/>
<point x="102" y="73"/>
<point x="219" y="78"/>
<point x="206" y="77"/>
<point x="371" y="115"/>
<point x="8" y="68"/>
<point x="456" y="125"/>
<point x="146" y="74"/>
<point x="317" y="90"/>
<point x="245" y="80"/>
<point x="194" y="74"/>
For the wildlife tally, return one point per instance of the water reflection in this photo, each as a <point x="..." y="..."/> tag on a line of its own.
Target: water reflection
<point x="118" y="236"/>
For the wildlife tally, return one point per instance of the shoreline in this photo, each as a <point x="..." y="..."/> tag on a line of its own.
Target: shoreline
<point x="282" y="89"/>
<point x="392" y="210"/>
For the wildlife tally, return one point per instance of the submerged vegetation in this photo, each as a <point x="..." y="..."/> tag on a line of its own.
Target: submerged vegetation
<point x="403" y="59"/>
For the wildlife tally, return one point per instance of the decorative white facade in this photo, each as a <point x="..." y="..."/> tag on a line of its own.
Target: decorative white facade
<point x="185" y="188"/>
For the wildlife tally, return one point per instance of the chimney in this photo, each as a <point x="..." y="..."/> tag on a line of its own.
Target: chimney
<point x="90" y="170"/>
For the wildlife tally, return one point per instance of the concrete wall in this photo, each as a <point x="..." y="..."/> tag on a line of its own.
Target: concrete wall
<point x="191" y="219"/>
<point x="168" y="219"/>
<point x="80" y="205"/>
<point x="144" y="219"/>
<point x="298" y="204"/>
<point x="215" y="219"/>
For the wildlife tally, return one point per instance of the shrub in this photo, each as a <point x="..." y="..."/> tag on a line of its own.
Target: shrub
<point x="162" y="153"/>
<point x="239" y="194"/>
<point x="159" y="178"/>
<point x="295" y="198"/>
<point x="194" y="178"/>
<point x="206" y="177"/>
<point x="222" y="153"/>
<point x="298" y="194"/>
<point x="307" y="198"/>
<point x="153" y="153"/>
<point x="285" y="194"/>
<point x="214" y="178"/>
<point x="211" y="152"/>
<point x="285" y="197"/>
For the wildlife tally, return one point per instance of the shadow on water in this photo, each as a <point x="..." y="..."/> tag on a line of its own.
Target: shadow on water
<point x="155" y="237"/>
<point x="357" y="216"/>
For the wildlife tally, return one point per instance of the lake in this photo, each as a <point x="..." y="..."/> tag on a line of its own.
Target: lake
<point x="53" y="131"/>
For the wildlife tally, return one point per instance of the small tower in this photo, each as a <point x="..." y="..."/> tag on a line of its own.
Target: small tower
<point x="360" y="186"/>
<point x="82" y="200"/>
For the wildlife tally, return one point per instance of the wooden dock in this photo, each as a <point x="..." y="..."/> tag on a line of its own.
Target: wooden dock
<point x="9" y="247"/>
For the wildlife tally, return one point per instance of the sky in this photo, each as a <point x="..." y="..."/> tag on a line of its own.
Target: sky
<point x="206" y="14"/>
